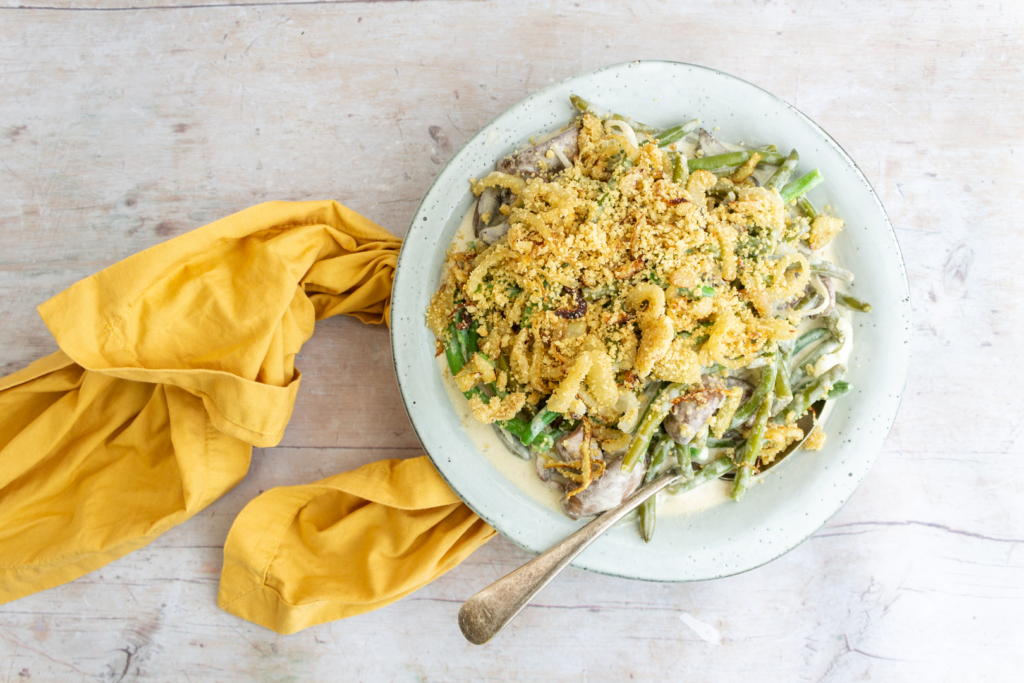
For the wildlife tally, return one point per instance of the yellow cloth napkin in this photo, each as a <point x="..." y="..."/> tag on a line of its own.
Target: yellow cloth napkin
<point x="348" y="544"/>
<point x="173" y="364"/>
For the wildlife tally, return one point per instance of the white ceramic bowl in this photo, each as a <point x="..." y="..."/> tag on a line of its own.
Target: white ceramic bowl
<point x="796" y="498"/>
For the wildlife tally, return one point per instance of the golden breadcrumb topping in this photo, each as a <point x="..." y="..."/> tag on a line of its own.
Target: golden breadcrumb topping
<point x="777" y="438"/>
<point x="611" y="276"/>
<point x="816" y="440"/>
<point x="823" y="230"/>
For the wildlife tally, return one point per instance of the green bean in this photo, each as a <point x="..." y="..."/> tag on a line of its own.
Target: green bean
<point x="468" y="340"/>
<point x="769" y="158"/>
<point x="800" y="187"/>
<point x="541" y="420"/>
<point x="684" y="457"/>
<point x="687" y="453"/>
<point x="595" y="293"/>
<point x="580" y="103"/>
<point x="515" y="445"/>
<point x="713" y="470"/>
<point x="801" y="373"/>
<point x="543" y="442"/>
<point x="806" y="339"/>
<point x="677" y="133"/>
<point x="603" y="114"/>
<point x="752" y="448"/>
<point x="783" y="388"/>
<point x="838" y="390"/>
<point x="517" y="428"/>
<point x="721" y="443"/>
<point x="833" y="327"/>
<point x="655" y="415"/>
<point x="453" y="352"/>
<point x="680" y="171"/>
<point x="806" y="397"/>
<point x="647" y="508"/>
<point x="782" y="175"/>
<point x="469" y="344"/>
<point x="456" y="361"/>
<point x="730" y="159"/>
<point x="502" y="363"/>
<point x="764" y="385"/>
<point x="723" y="190"/>
<point x="696" y="448"/>
<point x="701" y="439"/>
<point x="808" y="302"/>
<point x="832" y="270"/>
<point x="853" y="302"/>
<point x="805" y="205"/>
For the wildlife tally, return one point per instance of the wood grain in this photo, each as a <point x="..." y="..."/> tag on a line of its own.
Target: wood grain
<point x="119" y="129"/>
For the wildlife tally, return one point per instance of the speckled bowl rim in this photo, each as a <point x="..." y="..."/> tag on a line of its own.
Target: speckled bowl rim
<point x="799" y="496"/>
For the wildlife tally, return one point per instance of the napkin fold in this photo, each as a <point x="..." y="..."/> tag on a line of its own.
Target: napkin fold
<point x="348" y="544"/>
<point x="174" y="363"/>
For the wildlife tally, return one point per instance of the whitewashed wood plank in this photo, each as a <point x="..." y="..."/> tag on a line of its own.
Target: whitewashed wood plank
<point x="120" y="129"/>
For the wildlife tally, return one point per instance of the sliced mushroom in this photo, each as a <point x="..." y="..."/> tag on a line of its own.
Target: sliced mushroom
<point x="494" y="233"/>
<point x="605" y="493"/>
<point x="695" y="409"/>
<point x="747" y="387"/>
<point x="488" y="222"/>
<point x="569" y="446"/>
<point x="534" y="160"/>
<point x="550" y="475"/>
<point x="708" y="145"/>
<point x="514" y="444"/>
<point x="748" y="391"/>
<point x="831" y="289"/>
<point x="487" y="207"/>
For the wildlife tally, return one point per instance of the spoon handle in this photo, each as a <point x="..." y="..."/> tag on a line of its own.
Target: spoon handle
<point x="490" y="610"/>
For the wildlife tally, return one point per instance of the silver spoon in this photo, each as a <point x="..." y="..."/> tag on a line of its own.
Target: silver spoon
<point x="484" y="615"/>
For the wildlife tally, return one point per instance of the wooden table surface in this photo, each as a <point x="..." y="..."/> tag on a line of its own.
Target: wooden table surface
<point x="123" y="124"/>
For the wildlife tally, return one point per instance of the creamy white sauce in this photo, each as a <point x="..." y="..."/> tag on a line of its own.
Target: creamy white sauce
<point x="523" y="473"/>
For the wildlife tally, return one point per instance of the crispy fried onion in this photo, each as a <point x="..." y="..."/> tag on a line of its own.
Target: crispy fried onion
<point x="735" y="339"/>
<point x="580" y="471"/>
<point x="497" y="409"/>
<point x="596" y="366"/>
<point x="491" y="258"/>
<point x="700" y="182"/>
<point x="776" y="439"/>
<point x="630" y="269"/>
<point x="653" y="296"/>
<point x="727" y="236"/>
<point x="785" y="286"/>
<point x="746" y="170"/>
<point x="477" y="370"/>
<point x="629" y="405"/>
<point x="656" y="329"/>
<point x="625" y="129"/>
<point x="497" y="179"/>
